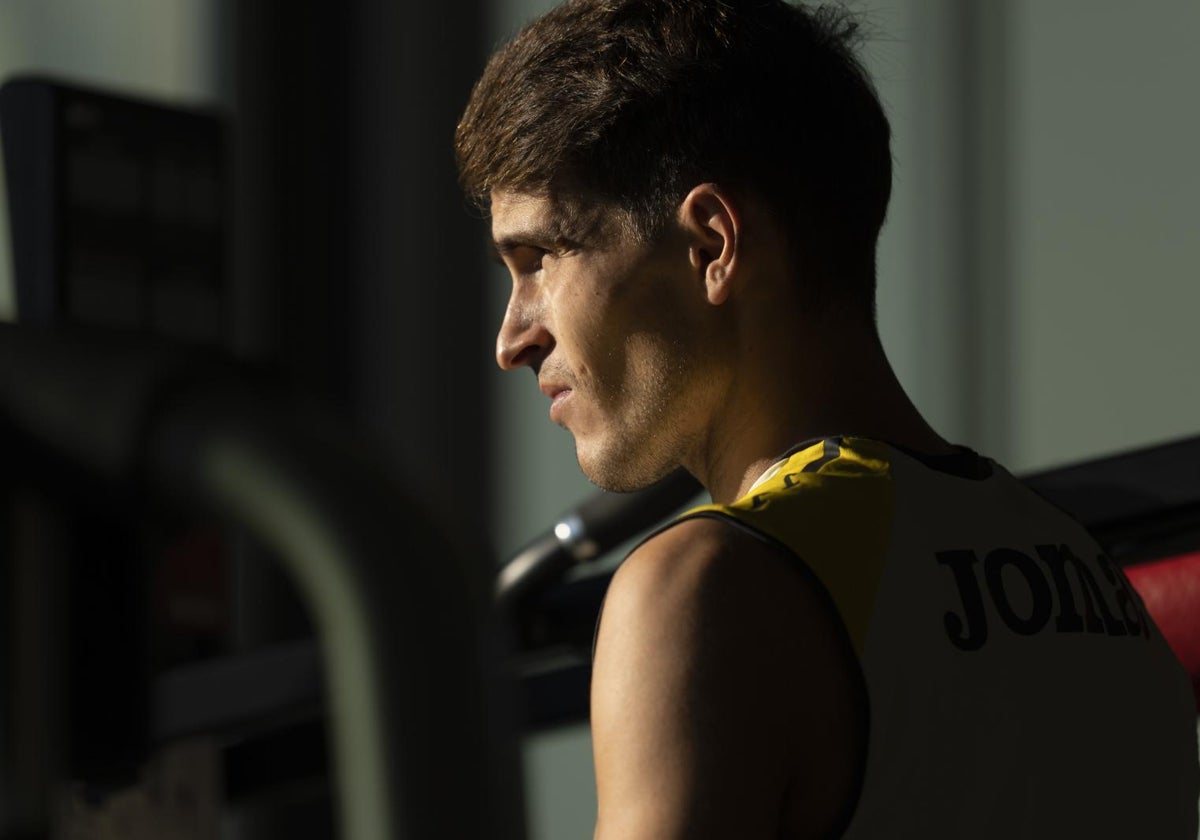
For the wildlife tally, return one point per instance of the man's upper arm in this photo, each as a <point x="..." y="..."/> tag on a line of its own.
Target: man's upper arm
<point x="722" y="701"/>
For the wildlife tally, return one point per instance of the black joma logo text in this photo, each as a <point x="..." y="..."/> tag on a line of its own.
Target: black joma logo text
<point x="1059" y="580"/>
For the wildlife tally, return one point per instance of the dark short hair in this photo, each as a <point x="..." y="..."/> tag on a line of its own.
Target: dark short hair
<point x="634" y="102"/>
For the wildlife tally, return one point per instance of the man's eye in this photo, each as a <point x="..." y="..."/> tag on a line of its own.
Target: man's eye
<point x="525" y="258"/>
<point x="529" y="258"/>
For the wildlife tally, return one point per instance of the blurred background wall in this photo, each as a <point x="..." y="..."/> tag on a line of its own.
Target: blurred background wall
<point x="1038" y="273"/>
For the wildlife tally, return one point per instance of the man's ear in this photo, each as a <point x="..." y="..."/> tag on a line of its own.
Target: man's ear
<point x="713" y="223"/>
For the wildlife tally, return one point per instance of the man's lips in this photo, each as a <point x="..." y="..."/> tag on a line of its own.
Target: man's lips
<point x="552" y="389"/>
<point x="558" y="395"/>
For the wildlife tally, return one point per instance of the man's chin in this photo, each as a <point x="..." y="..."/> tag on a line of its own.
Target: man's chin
<point x="616" y="484"/>
<point x="616" y="472"/>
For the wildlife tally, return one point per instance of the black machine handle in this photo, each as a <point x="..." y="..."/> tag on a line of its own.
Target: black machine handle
<point x="586" y="533"/>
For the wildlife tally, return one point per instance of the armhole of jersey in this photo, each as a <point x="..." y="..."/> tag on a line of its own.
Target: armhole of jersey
<point x="794" y="559"/>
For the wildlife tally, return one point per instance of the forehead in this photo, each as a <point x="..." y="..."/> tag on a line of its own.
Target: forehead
<point x="516" y="214"/>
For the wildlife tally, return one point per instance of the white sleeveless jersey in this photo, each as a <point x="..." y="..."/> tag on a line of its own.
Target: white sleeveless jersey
<point x="1016" y="686"/>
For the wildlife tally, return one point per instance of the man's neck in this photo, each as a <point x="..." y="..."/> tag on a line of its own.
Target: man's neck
<point x="828" y="382"/>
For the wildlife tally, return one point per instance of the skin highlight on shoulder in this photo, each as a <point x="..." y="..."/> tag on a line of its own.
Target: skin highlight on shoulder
<point x="723" y="696"/>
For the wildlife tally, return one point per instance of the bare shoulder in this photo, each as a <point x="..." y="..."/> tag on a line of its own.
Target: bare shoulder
<point x="715" y="651"/>
<point x="704" y="568"/>
<point x="705" y="576"/>
<point x="698" y="553"/>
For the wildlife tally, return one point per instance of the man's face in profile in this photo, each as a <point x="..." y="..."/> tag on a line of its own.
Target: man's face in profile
<point x="608" y="326"/>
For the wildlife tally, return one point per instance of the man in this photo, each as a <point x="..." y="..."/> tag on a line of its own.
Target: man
<point x="870" y="632"/>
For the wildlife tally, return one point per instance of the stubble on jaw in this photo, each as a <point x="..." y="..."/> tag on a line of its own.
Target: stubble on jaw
<point x="650" y="436"/>
<point x="652" y="405"/>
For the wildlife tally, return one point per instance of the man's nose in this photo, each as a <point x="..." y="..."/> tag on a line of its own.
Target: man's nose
<point x="523" y="338"/>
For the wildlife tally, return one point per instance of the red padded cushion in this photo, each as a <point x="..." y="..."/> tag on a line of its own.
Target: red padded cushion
<point x="1171" y="591"/>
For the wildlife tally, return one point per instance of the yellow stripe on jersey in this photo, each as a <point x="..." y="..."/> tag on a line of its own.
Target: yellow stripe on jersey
<point x="832" y="504"/>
